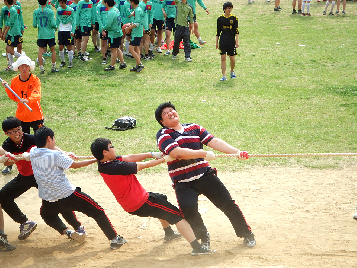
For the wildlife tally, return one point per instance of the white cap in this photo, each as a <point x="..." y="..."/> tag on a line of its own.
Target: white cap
<point x="23" y="60"/>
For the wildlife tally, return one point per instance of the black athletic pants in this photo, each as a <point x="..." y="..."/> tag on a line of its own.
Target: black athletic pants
<point x="16" y="187"/>
<point x="77" y="201"/>
<point x="211" y="186"/>
<point x="182" y="33"/>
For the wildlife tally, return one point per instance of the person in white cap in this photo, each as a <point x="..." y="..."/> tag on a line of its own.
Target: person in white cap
<point x="28" y="87"/>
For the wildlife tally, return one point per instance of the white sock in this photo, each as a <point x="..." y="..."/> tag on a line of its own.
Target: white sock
<point x="61" y="54"/>
<point x="41" y="67"/>
<point x="333" y="4"/>
<point x="11" y="58"/>
<point x="17" y="54"/>
<point x="126" y="44"/>
<point x="53" y="65"/>
<point x="98" y="39"/>
<point x="327" y="3"/>
<point x="199" y="39"/>
<point x="308" y="7"/>
<point x="303" y="7"/>
<point x="70" y="55"/>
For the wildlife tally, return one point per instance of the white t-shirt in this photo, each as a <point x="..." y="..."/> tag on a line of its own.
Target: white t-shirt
<point x="48" y="167"/>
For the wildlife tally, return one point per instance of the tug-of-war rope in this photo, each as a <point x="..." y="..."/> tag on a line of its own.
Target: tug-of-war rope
<point x="21" y="157"/>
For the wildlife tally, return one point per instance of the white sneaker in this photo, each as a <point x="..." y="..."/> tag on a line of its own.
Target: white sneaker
<point x="188" y="59"/>
<point x="151" y="46"/>
<point x="86" y="54"/>
<point x="158" y="50"/>
<point x="167" y="53"/>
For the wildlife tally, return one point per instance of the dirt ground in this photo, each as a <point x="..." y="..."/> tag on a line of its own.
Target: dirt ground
<point x="301" y="218"/>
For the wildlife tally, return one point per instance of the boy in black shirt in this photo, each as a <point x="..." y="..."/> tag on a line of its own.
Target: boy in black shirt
<point x="227" y="34"/>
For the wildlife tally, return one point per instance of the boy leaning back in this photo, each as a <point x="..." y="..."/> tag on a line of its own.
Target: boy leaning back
<point x="227" y="34"/>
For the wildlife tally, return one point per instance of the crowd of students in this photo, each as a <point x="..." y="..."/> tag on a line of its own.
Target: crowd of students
<point x="104" y="21"/>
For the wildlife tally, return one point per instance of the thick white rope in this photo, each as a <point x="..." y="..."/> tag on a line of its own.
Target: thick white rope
<point x="289" y="155"/>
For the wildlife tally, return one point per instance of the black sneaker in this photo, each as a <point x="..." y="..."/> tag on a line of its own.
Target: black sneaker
<point x="207" y="243"/>
<point x="201" y="251"/>
<point x="123" y="65"/>
<point x="140" y="68"/>
<point x="63" y="64"/>
<point x="249" y="240"/>
<point x="7" y="170"/>
<point x="168" y="238"/>
<point x="294" y="11"/>
<point x="54" y="70"/>
<point x="117" y="242"/>
<point x="299" y="12"/>
<point x="134" y="69"/>
<point x="104" y="62"/>
<point x="4" y="244"/>
<point x="109" y="68"/>
<point x="83" y="58"/>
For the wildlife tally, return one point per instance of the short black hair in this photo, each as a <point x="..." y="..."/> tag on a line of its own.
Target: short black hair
<point x="64" y="1"/>
<point x="41" y="136"/>
<point x="159" y="109"/>
<point x="109" y="2"/>
<point x="10" y="123"/>
<point x="10" y="2"/>
<point x="227" y="4"/>
<point x="98" y="146"/>
<point x="136" y="2"/>
<point x="42" y="2"/>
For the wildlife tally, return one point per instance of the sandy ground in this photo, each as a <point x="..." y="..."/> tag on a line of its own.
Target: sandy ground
<point x="301" y="218"/>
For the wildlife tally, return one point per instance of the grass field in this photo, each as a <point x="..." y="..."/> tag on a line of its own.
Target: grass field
<point x="295" y="90"/>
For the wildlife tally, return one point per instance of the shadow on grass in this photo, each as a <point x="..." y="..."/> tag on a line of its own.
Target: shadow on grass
<point x="349" y="92"/>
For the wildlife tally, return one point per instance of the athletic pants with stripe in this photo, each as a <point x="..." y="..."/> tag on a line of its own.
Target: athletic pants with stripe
<point x="16" y="187"/>
<point x="157" y="206"/>
<point x="77" y="201"/>
<point x="211" y="186"/>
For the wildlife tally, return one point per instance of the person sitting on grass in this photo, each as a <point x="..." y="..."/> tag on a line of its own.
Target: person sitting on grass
<point x="118" y="173"/>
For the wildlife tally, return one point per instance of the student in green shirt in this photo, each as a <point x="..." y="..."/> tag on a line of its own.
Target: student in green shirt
<point x="147" y="22"/>
<point x="95" y="26"/>
<point x="102" y="18"/>
<point x="65" y="23"/>
<point x="84" y="23"/>
<point x="184" y="11"/>
<point x="169" y="10"/>
<point x="44" y="21"/>
<point x="77" y="32"/>
<point x="158" y="22"/>
<point x="136" y="29"/>
<point x="13" y="29"/>
<point x="113" y="26"/>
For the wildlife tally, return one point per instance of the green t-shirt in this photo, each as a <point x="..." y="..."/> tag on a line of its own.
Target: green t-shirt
<point x="193" y="4"/>
<point x="44" y="20"/>
<point x="84" y="13"/>
<point x="157" y="6"/>
<point x="170" y="8"/>
<point x="138" y="19"/>
<point x="14" y="21"/>
<point x="94" y="10"/>
<point x="126" y="7"/>
<point x="147" y="17"/>
<point x="113" y="23"/>
<point x="102" y="12"/>
<point x="65" y="16"/>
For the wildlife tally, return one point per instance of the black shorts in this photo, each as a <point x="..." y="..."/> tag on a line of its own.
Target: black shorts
<point x="194" y="18"/>
<point x="114" y="42"/>
<point x="159" y="23"/>
<point x="96" y="26"/>
<point x="158" y="207"/>
<point x="46" y="42"/>
<point x="35" y="125"/>
<point x="148" y="32"/>
<point x="77" y="34"/>
<point x="170" y="24"/>
<point x="230" y="50"/>
<point x="135" y="41"/>
<point x="85" y="31"/>
<point x="65" y="38"/>
<point x="104" y="37"/>
<point x="13" y="41"/>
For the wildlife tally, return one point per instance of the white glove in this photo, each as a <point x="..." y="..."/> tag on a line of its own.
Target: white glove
<point x="156" y="155"/>
<point x="3" y="159"/>
<point x="169" y="158"/>
<point x="210" y="156"/>
<point x="26" y="155"/>
<point x="11" y="157"/>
